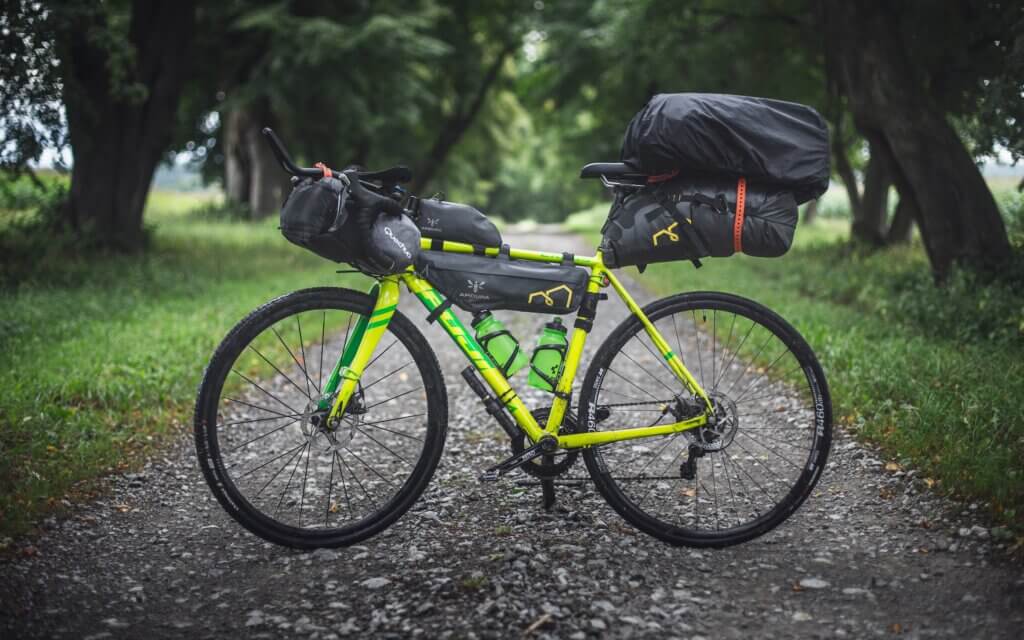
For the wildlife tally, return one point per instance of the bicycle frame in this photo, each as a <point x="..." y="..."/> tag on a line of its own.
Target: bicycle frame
<point x="368" y="331"/>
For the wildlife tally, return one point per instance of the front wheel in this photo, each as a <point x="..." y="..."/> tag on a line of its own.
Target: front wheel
<point x="267" y="451"/>
<point x="725" y="483"/>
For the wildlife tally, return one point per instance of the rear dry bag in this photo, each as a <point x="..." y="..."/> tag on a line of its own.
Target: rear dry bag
<point x="478" y="283"/>
<point x="693" y="218"/>
<point x="769" y="142"/>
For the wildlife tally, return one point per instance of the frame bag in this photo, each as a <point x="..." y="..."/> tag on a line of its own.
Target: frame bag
<point x="456" y="222"/>
<point x="693" y="218"/>
<point x="478" y="283"/>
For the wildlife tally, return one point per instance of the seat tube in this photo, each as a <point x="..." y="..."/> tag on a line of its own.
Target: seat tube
<point x="351" y="371"/>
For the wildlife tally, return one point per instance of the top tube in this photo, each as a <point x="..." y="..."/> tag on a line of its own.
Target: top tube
<point x="519" y="254"/>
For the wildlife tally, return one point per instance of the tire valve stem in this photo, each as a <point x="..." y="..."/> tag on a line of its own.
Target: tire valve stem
<point x="688" y="469"/>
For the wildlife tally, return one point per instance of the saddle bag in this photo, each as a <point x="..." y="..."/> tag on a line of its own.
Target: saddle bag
<point x="693" y="218"/>
<point x="477" y="283"/>
<point x="456" y="223"/>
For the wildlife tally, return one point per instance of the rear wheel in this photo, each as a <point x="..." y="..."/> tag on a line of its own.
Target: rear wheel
<point x="725" y="483"/>
<point x="266" y="449"/>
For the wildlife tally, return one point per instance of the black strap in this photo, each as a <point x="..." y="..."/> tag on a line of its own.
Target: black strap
<point x="568" y="259"/>
<point x="479" y="250"/>
<point x="436" y="244"/>
<point x="438" y="310"/>
<point x="505" y="252"/>
<point x="686" y="224"/>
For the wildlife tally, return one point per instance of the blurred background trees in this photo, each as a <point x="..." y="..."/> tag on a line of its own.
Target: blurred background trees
<point x="500" y="103"/>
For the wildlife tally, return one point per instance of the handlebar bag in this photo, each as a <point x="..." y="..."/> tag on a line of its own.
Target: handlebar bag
<point x="316" y="216"/>
<point x="456" y="223"/>
<point x="696" y="217"/>
<point x="770" y="142"/>
<point x="478" y="283"/>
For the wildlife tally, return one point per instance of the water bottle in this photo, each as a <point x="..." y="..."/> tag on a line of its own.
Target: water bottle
<point x="499" y="344"/>
<point x="546" y="363"/>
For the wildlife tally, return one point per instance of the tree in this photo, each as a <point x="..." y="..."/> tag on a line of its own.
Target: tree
<point x="122" y="68"/>
<point x="902" y="106"/>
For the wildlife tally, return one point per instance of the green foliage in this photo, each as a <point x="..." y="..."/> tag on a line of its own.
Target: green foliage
<point x="108" y="350"/>
<point x="932" y="376"/>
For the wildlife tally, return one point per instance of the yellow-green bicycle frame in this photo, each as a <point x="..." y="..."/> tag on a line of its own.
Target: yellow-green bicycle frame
<point x="370" y="329"/>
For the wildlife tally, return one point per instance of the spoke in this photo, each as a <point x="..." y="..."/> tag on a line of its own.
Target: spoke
<point x="378" y="356"/>
<point x="404" y="393"/>
<point x="253" y="406"/>
<point x="277" y="417"/>
<point x="282" y="373"/>
<point x="696" y="337"/>
<point x="269" y="461"/>
<point x="276" y="399"/>
<point x="725" y="353"/>
<point x="728" y="479"/>
<point x="726" y="368"/>
<point x="384" y="446"/>
<point x="376" y="425"/>
<point x="642" y="368"/>
<point x="756" y="383"/>
<point x="753" y="361"/>
<point x="289" y="483"/>
<point x="714" y="485"/>
<point x="756" y="460"/>
<point x="302" y="348"/>
<point x="765" y="446"/>
<point x="330" y="488"/>
<point x="273" y="477"/>
<point x="344" y="484"/>
<point x="657" y="358"/>
<point x="714" y="345"/>
<point x="302" y="367"/>
<point x="305" y="477"/>
<point x="388" y="375"/>
<point x="272" y="431"/>
<point x="746" y="473"/>
<point x="354" y="476"/>
<point x="363" y="462"/>
<point x="635" y="385"/>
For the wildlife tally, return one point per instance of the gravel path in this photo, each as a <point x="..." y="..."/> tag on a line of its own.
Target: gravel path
<point x="872" y="553"/>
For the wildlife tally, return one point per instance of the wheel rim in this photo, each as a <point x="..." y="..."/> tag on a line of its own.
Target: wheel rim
<point x="754" y="465"/>
<point x="274" y="451"/>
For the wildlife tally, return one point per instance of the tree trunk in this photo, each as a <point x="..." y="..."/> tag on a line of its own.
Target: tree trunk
<point x="958" y="217"/>
<point x="810" y="212"/>
<point x="269" y="181"/>
<point x="237" y="164"/>
<point x="869" y="222"/>
<point x="119" y="133"/>
<point x="902" y="222"/>
<point x="845" y="171"/>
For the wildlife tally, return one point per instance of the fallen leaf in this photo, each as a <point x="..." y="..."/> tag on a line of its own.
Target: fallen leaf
<point x="892" y="466"/>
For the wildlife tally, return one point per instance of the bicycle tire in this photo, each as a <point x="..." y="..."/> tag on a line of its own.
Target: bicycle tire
<point x="211" y="433"/>
<point x="684" y="528"/>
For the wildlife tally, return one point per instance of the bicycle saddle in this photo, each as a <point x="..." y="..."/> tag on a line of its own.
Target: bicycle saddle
<point x="393" y="175"/>
<point x="610" y="169"/>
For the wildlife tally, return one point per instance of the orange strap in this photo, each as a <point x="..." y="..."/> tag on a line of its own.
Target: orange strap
<point x="741" y="205"/>
<point x="662" y="177"/>
<point x="323" y="167"/>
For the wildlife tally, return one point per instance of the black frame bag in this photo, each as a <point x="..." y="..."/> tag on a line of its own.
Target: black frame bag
<point x="698" y="217"/>
<point x="455" y="222"/>
<point x="477" y="283"/>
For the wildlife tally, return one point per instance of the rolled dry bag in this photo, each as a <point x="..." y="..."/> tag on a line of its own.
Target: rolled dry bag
<point x="696" y="217"/>
<point x="456" y="223"/>
<point x="478" y="283"/>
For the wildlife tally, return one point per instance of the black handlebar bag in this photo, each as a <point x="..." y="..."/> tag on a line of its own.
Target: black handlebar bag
<point x="317" y="216"/>
<point x="477" y="283"/>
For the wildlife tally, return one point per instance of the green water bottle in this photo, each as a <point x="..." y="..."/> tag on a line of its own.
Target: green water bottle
<point x="499" y="343"/>
<point x="546" y="363"/>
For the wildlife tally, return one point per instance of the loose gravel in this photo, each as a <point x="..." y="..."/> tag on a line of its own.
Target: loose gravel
<point x="871" y="553"/>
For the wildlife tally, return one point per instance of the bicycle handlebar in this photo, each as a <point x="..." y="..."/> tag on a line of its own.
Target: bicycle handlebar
<point x="286" y="161"/>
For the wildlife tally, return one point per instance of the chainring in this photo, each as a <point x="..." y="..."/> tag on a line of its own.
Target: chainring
<point x="563" y="461"/>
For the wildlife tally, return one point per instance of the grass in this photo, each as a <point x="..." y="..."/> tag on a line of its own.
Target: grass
<point x="103" y="355"/>
<point x="934" y="377"/>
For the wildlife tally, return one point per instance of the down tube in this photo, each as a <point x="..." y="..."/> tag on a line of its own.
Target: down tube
<point x="431" y="299"/>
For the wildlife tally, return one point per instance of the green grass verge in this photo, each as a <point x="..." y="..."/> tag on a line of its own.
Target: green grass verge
<point x="934" y="377"/>
<point x="103" y="355"/>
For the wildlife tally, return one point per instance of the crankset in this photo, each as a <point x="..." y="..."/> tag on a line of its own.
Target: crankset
<point x="548" y="466"/>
